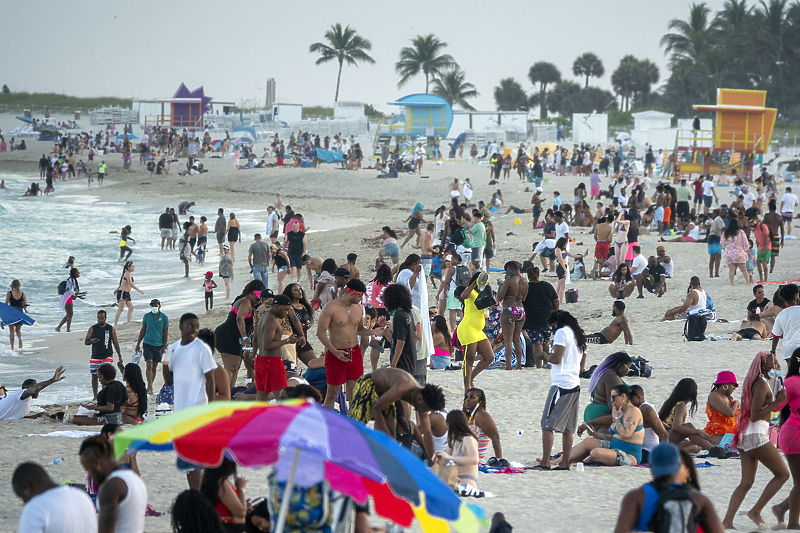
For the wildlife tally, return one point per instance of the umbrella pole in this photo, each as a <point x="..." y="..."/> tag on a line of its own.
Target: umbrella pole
<point x="287" y="494"/>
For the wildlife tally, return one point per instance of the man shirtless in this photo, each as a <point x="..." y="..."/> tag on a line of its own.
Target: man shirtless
<point x="618" y="326"/>
<point x="660" y="198"/>
<point x="194" y="229"/>
<point x="351" y="266"/>
<point x="455" y="191"/>
<point x="752" y="329"/>
<point x="774" y="222"/>
<point x="426" y="248"/>
<point x="340" y="324"/>
<point x="270" y="371"/>
<point x="603" y="233"/>
<point x="375" y="398"/>
<point x="312" y="264"/>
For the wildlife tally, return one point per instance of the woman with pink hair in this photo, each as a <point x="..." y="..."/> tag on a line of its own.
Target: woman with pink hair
<point x="752" y="437"/>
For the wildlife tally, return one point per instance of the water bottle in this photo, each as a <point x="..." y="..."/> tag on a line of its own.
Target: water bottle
<point x="57" y="461"/>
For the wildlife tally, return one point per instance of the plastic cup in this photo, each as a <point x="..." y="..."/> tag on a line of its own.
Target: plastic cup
<point x="579" y="467"/>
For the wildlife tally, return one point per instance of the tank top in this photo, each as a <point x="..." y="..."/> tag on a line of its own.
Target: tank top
<point x="15" y="302"/>
<point x="483" y="442"/>
<point x="694" y="233"/>
<point x="440" y="443"/>
<point x="650" y="437"/>
<point x="701" y="301"/>
<point x="278" y="259"/>
<point x="102" y="349"/>
<point x="668" y="268"/>
<point x="130" y="512"/>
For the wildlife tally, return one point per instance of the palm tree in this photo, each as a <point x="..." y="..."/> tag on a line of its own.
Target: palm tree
<point x="510" y="96"/>
<point x="453" y="88"/>
<point x="773" y="29"/>
<point x="544" y="74"/>
<point x="646" y="75"/>
<point x="588" y="65"/>
<point x="565" y="98"/>
<point x="689" y="39"/>
<point x="623" y="79"/>
<point x="423" y="56"/>
<point x="343" y="45"/>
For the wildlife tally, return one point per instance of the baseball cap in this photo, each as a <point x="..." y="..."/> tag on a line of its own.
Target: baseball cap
<point x="209" y="273"/>
<point x="226" y="247"/>
<point x="154" y="302"/>
<point x="661" y="249"/>
<point x="665" y="460"/>
<point x="281" y="299"/>
<point x="341" y="272"/>
<point x="539" y="189"/>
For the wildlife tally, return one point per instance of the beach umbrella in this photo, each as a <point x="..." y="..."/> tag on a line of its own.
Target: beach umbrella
<point x="122" y="136"/>
<point x="310" y="443"/>
<point x="26" y="119"/>
<point x="242" y="140"/>
<point x="11" y="315"/>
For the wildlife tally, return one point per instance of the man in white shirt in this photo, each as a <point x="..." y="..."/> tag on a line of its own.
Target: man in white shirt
<point x="51" y="508"/>
<point x="272" y="224"/>
<point x="747" y="198"/>
<point x="639" y="262"/>
<point x="561" y="408"/>
<point x="17" y="405"/>
<point x="787" y="323"/>
<point x="191" y="370"/>
<point x="788" y="203"/>
<point x="708" y="193"/>
<point x="121" y="496"/>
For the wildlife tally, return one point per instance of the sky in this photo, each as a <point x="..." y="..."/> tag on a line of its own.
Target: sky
<point x="145" y="49"/>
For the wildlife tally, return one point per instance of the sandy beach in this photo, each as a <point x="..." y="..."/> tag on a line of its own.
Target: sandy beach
<point x="343" y="207"/>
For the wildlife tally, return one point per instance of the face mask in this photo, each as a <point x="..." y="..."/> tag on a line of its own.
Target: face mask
<point x="775" y="373"/>
<point x="154" y="310"/>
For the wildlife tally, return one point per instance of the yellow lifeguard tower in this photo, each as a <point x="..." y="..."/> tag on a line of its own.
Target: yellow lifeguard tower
<point x="742" y="128"/>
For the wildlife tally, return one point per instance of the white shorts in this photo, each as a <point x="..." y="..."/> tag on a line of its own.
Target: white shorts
<point x="659" y="215"/>
<point x="166" y="233"/>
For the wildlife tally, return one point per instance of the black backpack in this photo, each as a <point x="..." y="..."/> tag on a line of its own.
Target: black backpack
<point x="62" y="287"/>
<point x="640" y="368"/>
<point x="695" y="327"/>
<point x="676" y="511"/>
<point x="462" y="276"/>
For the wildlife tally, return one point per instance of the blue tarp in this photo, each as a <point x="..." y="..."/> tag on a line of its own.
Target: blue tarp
<point x="329" y="156"/>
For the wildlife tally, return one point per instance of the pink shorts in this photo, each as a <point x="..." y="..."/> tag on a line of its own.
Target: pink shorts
<point x="595" y="191"/>
<point x="789" y="438"/>
<point x="686" y="238"/>
<point x="629" y="255"/>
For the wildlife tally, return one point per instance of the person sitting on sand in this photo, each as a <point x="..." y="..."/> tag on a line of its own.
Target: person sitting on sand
<point x="462" y="449"/>
<point x="673" y="414"/>
<point x="639" y="506"/>
<point x="482" y="424"/>
<point x="626" y="435"/>
<point x="753" y="329"/>
<point x="618" y="326"/>
<point x="653" y="278"/>
<point x="695" y="301"/>
<point x="721" y="408"/>
<point x="654" y="430"/>
<point x="605" y="377"/>
<point x="109" y="400"/>
<point x="622" y="283"/>
<point x="134" y="410"/>
<point x="691" y="232"/>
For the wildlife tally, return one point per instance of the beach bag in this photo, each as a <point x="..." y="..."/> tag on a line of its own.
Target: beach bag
<point x="676" y="512"/>
<point x="695" y="327"/>
<point x="485" y="299"/>
<point x="62" y="287"/>
<point x="467" y="238"/>
<point x="462" y="276"/>
<point x="640" y="368"/>
<point x="571" y="296"/>
<point x="309" y="508"/>
<point x="446" y="473"/>
<point x="587" y="374"/>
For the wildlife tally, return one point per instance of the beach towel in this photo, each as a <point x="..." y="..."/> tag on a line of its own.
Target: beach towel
<point x="329" y="156"/>
<point x="73" y="434"/>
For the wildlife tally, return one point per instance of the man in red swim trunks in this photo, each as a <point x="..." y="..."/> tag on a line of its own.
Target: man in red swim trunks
<point x="270" y="371"/>
<point x="340" y="324"/>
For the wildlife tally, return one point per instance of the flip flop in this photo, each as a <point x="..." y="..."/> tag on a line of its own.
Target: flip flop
<point x="560" y="468"/>
<point x="540" y="467"/>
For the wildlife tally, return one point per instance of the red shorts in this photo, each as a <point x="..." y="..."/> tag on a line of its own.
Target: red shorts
<point x="667" y="214"/>
<point x="601" y="250"/>
<point x="270" y="373"/>
<point x="338" y="372"/>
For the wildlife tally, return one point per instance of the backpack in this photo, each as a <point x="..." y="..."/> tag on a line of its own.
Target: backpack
<point x="467" y="239"/>
<point x="640" y="368"/>
<point x="457" y="238"/>
<point x="62" y="287"/>
<point x="695" y="327"/>
<point x="676" y="512"/>
<point x="462" y="276"/>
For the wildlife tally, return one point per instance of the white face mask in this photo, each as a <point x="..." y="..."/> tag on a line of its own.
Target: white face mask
<point x="154" y="310"/>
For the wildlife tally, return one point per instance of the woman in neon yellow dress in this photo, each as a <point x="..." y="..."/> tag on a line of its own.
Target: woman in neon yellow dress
<point x="470" y="330"/>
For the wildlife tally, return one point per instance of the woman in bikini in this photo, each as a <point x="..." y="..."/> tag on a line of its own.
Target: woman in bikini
<point x="482" y="424"/>
<point x="511" y="294"/>
<point x="681" y="402"/>
<point x="414" y="220"/>
<point x="442" y="343"/>
<point x="562" y="268"/>
<point x="752" y="438"/>
<point x="123" y="292"/>
<point x="462" y="449"/>
<point x="721" y="408"/>
<point x="133" y="412"/>
<point x="621" y="225"/>
<point x="234" y="234"/>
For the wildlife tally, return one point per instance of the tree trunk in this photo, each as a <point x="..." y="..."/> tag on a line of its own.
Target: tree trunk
<point x="542" y="102"/>
<point x="338" y="80"/>
<point x="426" y="83"/>
<point x="587" y="82"/>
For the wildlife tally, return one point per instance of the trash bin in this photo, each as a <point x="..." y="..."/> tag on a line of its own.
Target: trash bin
<point x="77" y="115"/>
<point x="27" y="113"/>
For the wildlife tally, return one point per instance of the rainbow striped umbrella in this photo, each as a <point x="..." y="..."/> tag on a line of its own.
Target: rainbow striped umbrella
<point x="356" y="460"/>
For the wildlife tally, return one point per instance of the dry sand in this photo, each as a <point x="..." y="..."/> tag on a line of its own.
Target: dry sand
<point x="553" y="501"/>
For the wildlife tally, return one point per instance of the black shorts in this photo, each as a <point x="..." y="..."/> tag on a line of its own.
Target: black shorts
<point x="651" y="287"/>
<point x="683" y="210"/>
<point x="209" y="296"/>
<point x="192" y="242"/>
<point x="488" y="253"/>
<point x="151" y="353"/>
<point x="596" y="338"/>
<point x="413" y="223"/>
<point x="123" y="296"/>
<point x="202" y="239"/>
<point x="560" y="272"/>
<point x="274" y="235"/>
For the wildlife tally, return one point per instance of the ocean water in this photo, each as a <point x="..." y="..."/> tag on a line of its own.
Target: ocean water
<point x="37" y="235"/>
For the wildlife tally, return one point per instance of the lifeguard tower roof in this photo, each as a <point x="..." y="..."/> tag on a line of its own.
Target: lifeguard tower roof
<point x="742" y="122"/>
<point x="426" y="115"/>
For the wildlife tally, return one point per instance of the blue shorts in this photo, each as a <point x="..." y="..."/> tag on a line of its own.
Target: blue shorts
<point x="296" y="261"/>
<point x="539" y="335"/>
<point x="786" y="218"/>
<point x="714" y="246"/>
<point x="548" y="253"/>
<point x="392" y="250"/>
<point x="707" y="200"/>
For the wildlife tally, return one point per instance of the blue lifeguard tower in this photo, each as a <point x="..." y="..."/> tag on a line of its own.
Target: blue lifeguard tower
<point x="426" y="116"/>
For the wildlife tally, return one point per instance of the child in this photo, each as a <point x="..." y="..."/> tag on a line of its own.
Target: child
<point x="751" y="260"/>
<point x="557" y="200"/>
<point x="209" y="285"/>
<point x="200" y="253"/>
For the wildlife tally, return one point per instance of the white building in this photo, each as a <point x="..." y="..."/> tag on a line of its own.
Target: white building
<point x="348" y="110"/>
<point x="654" y="128"/>
<point x="591" y="128"/>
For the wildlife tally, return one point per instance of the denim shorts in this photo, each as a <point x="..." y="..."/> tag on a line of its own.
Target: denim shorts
<point x="392" y="250"/>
